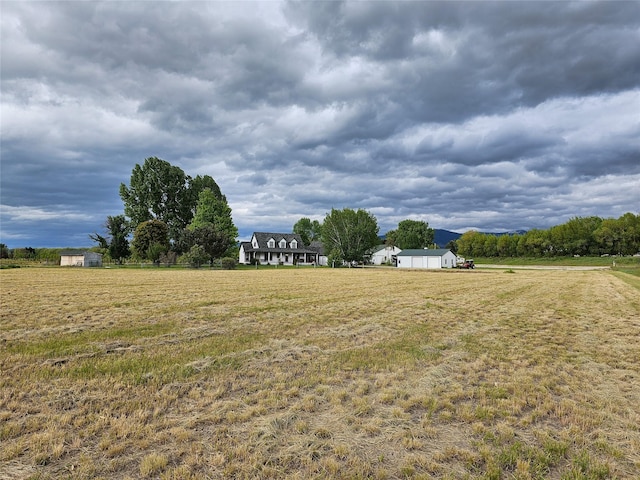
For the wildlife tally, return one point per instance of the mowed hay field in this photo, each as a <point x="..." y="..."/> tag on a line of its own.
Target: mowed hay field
<point x="319" y="373"/>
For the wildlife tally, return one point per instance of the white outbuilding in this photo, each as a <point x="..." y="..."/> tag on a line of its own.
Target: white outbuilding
<point x="80" y="258"/>
<point x="427" y="258"/>
<point x="383" y="254"/>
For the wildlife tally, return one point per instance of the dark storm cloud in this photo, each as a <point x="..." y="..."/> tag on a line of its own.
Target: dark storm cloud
<point x="497" y="116"/>
<point x="457" y="59"/>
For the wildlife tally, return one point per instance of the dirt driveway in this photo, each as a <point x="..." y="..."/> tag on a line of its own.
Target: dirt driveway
<point x="543" y="267"/>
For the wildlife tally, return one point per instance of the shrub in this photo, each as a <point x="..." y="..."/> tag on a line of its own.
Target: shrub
<point x="155" y="251"/>
<point x="196" y="256"/>
<point x="169" y="258"/>
<point x="228" y="263"/>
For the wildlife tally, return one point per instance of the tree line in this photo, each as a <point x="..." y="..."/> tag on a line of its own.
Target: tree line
<point x="583" y="236"/>
<point x="170" y="216"/>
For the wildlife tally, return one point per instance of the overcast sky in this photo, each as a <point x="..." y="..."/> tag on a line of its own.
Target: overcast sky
<point x="493" y="116"/>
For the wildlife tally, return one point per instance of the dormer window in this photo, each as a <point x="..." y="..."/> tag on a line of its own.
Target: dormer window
<point x="271" y="243"/>
<point x="283" y="243"/>
<point x="294" y="244"/>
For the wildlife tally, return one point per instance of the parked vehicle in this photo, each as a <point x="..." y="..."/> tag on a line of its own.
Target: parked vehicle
<point x="466" y="264"/>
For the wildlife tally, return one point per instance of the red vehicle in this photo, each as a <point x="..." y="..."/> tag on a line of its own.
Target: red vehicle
<point x="467" y="264"/>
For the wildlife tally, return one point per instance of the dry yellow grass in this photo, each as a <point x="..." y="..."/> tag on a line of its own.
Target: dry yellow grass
<point x="318" y="373"/>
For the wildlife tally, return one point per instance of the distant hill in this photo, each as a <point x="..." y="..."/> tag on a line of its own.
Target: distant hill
<point x="442" y="237"/>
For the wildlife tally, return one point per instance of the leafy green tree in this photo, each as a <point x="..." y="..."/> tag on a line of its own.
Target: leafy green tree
<point x="158" y="190"/>
<point x="115" y="243"/>
<point x="579" y="236"/>
<point x="161" y="191"/>
<point x="630" y="233"/>
<point x="348" y="234"/>
<point x="521" y="246"/>
<point x="537" y="243"/>
<point x="27" y="253"/>
<point x="490" y="248"/>
<point x="48" y="255"/>
<point x="609" y="236"/>
<point x="619" y="236"/>
<point x="308" y="230"/>
<point x="390" y="238"/>
<point x="155" y="252"/>
<point x="102" y="242"/>
<point x="467" y="242"/>
<point x="214" y="210"/>
<point x="214" y="242"/>
<point x="118" y="229"/>
<point x="413" y="234"/>
<point x="148" y="236"/>
<point x="212" y="226"/>
<point x="4" y="251"/>
<point x="200" y="183"/>
<point x="506" y="245"/>
<point x="452" y="245"/>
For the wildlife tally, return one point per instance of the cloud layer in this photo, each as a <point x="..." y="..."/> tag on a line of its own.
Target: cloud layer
<point x="498" y="116"/>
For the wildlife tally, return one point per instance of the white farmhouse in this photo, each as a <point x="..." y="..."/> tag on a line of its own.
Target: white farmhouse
<point x="277" y="248"/>
<point x="383" y="254"/>
<point x="427" y="258"/>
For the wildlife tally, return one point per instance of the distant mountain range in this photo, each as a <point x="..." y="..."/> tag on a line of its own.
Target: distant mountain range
<point x="442" y="237"/>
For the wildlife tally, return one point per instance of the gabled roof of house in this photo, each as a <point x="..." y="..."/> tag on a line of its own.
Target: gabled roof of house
<point x="317" y="247"/>
<point x="75" y="252"/>
<point x="424" y="252"/>
<point x="263" y="238"/>
<point x="375" y="249"/>
<point x="379" y="248"/>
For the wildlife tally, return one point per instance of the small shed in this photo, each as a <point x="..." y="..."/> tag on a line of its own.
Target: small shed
<point x="427" y="258"/>
<point x="80" y="258"/>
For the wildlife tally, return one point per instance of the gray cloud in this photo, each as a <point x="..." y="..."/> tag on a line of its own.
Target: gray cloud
<point x="491" y="115"/>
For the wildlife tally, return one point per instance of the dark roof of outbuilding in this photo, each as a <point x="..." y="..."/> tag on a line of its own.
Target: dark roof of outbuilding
<point x="424" y="252"/>
<point x="76" y="252"/>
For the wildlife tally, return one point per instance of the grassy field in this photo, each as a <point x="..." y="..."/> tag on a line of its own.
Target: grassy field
<point x="620" y="262"/>
<point x="319" y="373"/>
